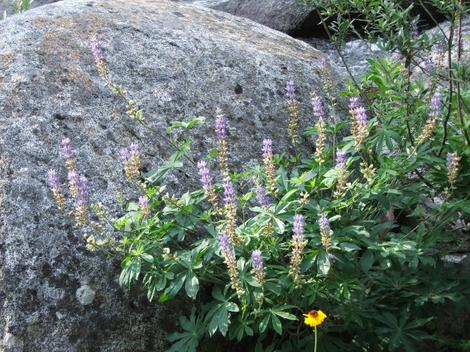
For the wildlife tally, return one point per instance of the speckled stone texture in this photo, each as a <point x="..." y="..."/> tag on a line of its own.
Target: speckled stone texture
<point x="288" y="16"/>
<point x="9" y="7"/>
<point x="178" y="61"/>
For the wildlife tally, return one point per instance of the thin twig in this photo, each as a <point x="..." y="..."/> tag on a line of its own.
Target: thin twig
<point x="343" y="60"/>
<point x="429" y="13"/>
<point x="451" y="85"/>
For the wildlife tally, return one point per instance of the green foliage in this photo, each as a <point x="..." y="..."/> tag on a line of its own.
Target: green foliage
<point x="381" y="279"/>
<point x="22" y="5"/>
<point x="393" y="208"/>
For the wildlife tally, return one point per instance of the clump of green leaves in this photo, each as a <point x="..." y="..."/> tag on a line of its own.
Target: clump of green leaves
<point x="380" y="211"/>
<point x="22" y="5"/>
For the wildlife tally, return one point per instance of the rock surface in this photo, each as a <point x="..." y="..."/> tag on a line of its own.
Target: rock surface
<point x="288" y="16"/>
<point x="178" y="61"/>
<point x="9" y="6"/>
<point x="355" y="53"/>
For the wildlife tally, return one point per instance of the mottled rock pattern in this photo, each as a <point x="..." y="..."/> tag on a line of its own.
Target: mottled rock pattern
<point x="355" y="54"/>
<point x="429" y="61"/>
<point x="204" y="3"/>
<point x="288" y="16"/>
<point x="178" y="61"/>
<point x="9" y="7"/>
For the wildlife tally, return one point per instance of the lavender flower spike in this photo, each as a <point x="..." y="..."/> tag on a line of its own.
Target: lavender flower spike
<point x="67" y="148"/>
<point x="354" y="103"/>
<point x="53" y="179"/>
<point x="133" y="149"/>
<point x="124" y="154"/>
<point x="229" y="192"/>
<point x="96" y="50"/>
<point x="324" y="223"/>
<point x="221" y="127"/>
<point x="361" y="116"/>
<point x="226" y="245"/>
<point x="204" y="173"/>
<point x="436" y="104"/>
<point x="317" y="106"/>
<point x="340" y="158"/>
<point x="267" y="148"/>
<point x="83" y="189"/>
<point x="261" y="197"/>
<point x="144" y="206"/>
<point x="298" y="227"/>
<point x="290" y="90"/>
<point x="257" y="260"/>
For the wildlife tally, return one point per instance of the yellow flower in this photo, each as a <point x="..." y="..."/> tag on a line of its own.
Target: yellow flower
<point x="314" y="318"/>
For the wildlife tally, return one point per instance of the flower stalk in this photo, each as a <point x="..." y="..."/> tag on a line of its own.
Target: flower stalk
<point x="298" y="245"/>
<point x="228" y="253"/>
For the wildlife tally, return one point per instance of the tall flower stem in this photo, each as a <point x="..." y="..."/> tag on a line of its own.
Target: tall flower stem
<point x="316" y="340"/>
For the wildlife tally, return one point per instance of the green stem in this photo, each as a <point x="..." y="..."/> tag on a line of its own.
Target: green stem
<point x="316" y="339"/>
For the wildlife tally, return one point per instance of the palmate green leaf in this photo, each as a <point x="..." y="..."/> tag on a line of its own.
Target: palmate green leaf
<point x="279" y="226"/>
<point x="187" y="125"/>
<point x="192" y="285"/>
<point x="323" y="263"/>
<point x="276" y="323"/>
<point x="349" y="247"/>
<point x="188" y="340"/>
<point x="367" y="260"/>
<point x="218" y="316"/>
<point x="130" y="271"/>
<point x="264" y="323"/>
<point x="157" y="176"/>
<point x="219" y="321"/>
<point x="283" y="314"/>
<point x="176" y="285"/>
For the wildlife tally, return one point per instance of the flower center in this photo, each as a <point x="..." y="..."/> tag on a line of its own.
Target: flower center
<point x="313" y="313"/>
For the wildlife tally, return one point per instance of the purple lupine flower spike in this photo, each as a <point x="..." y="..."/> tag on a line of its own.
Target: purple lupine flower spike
<point x="225" y="244"/>
<point x="221" y="127"/>
<point x="267" y="148"/>
<point x="52" y="178"/>
<point x="361" y="116"/>
<point x="317" y="106"/>
<point x="436" y="103"/>
<point x="257" y="259"/>
<point x="450" y="157"/>
<point x="229" y="192"/>
<point x="261" y="196"/>
<point x="324" y="223"/>
<point x="96" y="50"/>
<point x="72" y="177"/>
<point x="290" y="89"/>
<point x="124" y="154"/>
<point x="204" y="173"/>
<point x="133" y="149"/>
<point x="67" y="148"/>
<point x="83" y="189"/>
<point x="143" y="202"/>
<point x="354" y="102"/>
<point x="340" y="158"/>
<point x="144" y="206"/>
<point x="298" y="227"/>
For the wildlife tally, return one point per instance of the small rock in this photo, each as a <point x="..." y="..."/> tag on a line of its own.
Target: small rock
<point x="85" y="294"/>
<point x="11" y="342"/>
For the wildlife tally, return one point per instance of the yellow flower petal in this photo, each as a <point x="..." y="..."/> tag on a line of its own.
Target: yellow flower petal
<point x="314" y="318"/>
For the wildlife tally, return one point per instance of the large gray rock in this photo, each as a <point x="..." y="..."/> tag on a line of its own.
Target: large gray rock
<point x="295" y="17"/>
<point x="289" y="16"/>
<point x="178" y="61"/>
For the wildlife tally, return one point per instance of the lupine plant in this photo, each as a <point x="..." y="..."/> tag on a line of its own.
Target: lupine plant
<point x="351" y="235"/>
